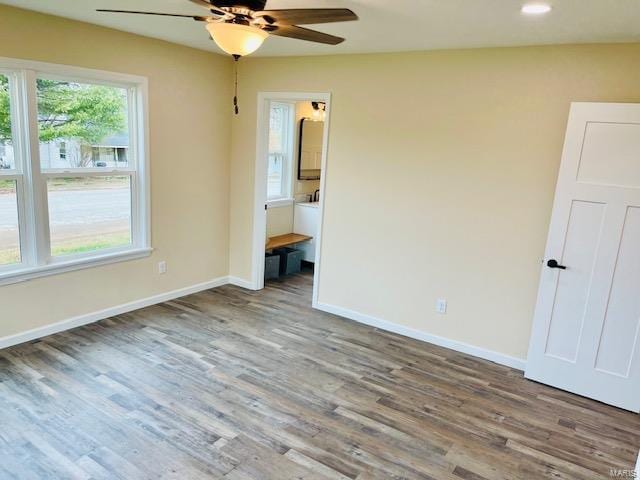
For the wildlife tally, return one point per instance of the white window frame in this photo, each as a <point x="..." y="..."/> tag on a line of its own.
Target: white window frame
<point x="31" y="180"/>
<point x="286" y="194"/>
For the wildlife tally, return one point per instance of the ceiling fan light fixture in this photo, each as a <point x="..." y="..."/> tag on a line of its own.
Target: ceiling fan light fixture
<point x="236" y="39"/>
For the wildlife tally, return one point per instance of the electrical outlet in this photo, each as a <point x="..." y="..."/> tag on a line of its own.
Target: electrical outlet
<point x="441" y="306"/>
<point x="162" y="267"/>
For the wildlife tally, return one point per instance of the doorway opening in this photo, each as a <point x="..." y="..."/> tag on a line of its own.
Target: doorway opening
<point x="290" y="172"/>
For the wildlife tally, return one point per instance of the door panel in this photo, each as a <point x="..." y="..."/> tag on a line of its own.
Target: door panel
<point x="622" y="318"/>
<point x="569" y="307"/>
<point x="619" y="143"/>
<point x="586" y="329"/>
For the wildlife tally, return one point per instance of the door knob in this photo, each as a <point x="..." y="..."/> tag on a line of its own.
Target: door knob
<point x="553" y="263"/>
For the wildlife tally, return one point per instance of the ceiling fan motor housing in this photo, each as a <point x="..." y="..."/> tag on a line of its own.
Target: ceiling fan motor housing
<point x="253" y="5"/>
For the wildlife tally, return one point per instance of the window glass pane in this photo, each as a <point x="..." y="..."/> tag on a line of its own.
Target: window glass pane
<point x="274" y="178"/>
<point x="88" y="214"/>
<point x="279" y="149"/>
<point x="7" y="161"/>
<point x="82" y="125"/>
<point x="277" y="126"/>
<point x="9" y="232"/>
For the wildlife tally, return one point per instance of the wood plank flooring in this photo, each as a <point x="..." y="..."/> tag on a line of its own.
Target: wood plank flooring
<point x="256" y="385"/>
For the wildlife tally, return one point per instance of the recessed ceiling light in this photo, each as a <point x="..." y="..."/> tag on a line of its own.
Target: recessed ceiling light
<point x="536" y="8"/>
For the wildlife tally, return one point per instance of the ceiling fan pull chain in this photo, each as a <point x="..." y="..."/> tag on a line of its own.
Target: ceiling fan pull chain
<point x="235" y="92"/>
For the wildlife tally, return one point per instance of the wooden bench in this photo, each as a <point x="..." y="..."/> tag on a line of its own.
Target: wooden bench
<point x="286" y="240"/>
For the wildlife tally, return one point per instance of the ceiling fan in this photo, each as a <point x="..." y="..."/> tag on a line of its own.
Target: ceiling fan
<point x="239" y="27"/>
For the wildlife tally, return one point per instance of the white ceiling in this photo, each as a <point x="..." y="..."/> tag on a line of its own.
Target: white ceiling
<point x="384" y="26"/>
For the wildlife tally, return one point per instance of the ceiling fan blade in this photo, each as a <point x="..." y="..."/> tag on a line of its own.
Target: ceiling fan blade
<point x="293" y="31"/>
<point x="194" y="17"/>
<point x="306" y="16"/>
<point x="212" y="8"/>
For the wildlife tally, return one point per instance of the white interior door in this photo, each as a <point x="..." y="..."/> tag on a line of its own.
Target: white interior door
<point x="587" y="319"/>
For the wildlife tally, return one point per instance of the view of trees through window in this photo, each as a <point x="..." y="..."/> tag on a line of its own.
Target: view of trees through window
<point x="83" y="128"/>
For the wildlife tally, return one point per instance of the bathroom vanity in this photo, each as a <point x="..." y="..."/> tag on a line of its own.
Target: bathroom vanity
<point x="306" y="220"/>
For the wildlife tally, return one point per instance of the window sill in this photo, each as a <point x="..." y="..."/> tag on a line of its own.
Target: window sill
<point x="280" y="202"/>
<point x="30" y="273"/>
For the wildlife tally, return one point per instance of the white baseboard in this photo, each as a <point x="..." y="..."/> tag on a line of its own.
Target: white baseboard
<point x="239" y="282"/>
<point x="490" y="355"/>
<point x="80" y="320"/>
<point x="638" y="466"/>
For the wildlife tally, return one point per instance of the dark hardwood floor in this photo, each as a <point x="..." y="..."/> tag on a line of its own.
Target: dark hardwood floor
<point x="256" y="385"/>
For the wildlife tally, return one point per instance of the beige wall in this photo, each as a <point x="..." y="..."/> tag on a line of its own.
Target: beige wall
<point x="441" y="174"/>
<point x="279" y="220"/>
<point x="189" y="173"/>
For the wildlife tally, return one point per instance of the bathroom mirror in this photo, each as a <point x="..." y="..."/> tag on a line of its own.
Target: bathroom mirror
<point x="310" y="149"/>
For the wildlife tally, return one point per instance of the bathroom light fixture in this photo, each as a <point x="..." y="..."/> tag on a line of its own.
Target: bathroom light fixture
<point x="536" y="8"/>
<point x="236" y="39"/>
<point x="319" y="111"/>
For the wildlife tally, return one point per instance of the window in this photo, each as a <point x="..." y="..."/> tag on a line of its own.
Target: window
<point x="281" y="126"/>
<point x="10" y="178"/>
<point x="9" y="227"/>
<point x="73" y="169"/>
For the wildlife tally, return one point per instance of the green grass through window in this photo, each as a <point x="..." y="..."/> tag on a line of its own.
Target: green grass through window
<point x="11" y="255"/>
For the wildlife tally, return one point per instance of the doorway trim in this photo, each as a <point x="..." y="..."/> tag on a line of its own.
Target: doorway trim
<point x="260" y="183"/>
